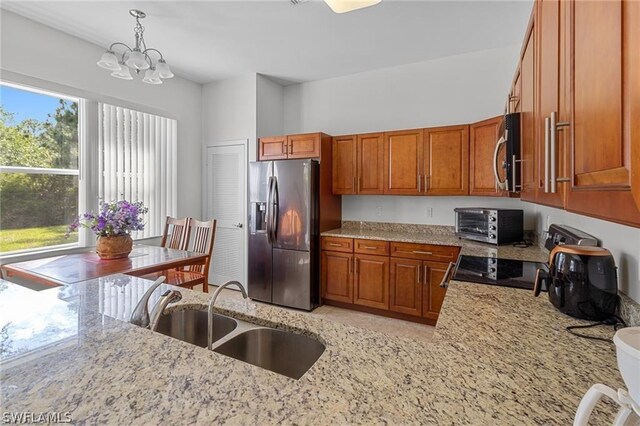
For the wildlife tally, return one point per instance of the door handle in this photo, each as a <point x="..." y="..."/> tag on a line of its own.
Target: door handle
<point x="238" y="225"/>
<point x="547" y="153"/>
<point x="554" y="126"/>
<point x="419" y="272"/>
<point x="419" y="183"/>
<point x="426" y="183"/>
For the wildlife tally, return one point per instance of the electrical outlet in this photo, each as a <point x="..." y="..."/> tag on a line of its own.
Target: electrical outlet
<point x="429" y="212"/>
<point x="379" y="211"/>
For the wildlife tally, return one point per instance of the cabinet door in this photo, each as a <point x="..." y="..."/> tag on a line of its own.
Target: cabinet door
<point x="432" y="293"/>
<point x="405" y="286"/>
<point x="272" y="148"/>
<point x="370" y="177"/>
<point x="304" y="146"/>
<point x="483" y="139"/>
<point x="548" y="96"/>
<point x="445" y="166"/>
<point x="527" y="123"/>
<point x="344" y="164"/>
<point x="402" y="157"/>
<point x="337" y="276"/>
<point x="371" y="281"/>
<point x="600" y="160"/>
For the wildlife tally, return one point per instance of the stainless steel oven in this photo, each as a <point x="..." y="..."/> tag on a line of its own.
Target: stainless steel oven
<point x="494" y="226"/>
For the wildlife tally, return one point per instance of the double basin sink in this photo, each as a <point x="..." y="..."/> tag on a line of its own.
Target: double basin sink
<point x="282" y="352"/>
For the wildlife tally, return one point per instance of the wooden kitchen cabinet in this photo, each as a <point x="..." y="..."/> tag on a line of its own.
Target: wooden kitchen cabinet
<point x="445" y="161"/>
<point x="337" y="276"/>
<point x="527" y="118"/>
<point x="602" y="68"/>
<point x="405" y="287"/>
<point x="273" y="148"/>
<point x="304" y="145"/>
<point x="548" y="90"/>
<point x="482" y="143"/>
<point x="432" y="293"/>
<point x="371" y="281"/>
<point x="402" y="158"/>
<point x="345" y="164"/>
<point x="370" y="164"/>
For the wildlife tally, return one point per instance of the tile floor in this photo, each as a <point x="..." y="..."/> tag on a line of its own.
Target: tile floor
<point x="390" y="326"/>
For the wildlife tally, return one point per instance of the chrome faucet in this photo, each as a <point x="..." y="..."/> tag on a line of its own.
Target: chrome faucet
<point x="140" y="315"/>
<point x="169" y="296"/>
<point x="213" y="301"/>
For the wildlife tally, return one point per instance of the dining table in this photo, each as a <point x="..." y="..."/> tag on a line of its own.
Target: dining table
<point x="73" y="268"/>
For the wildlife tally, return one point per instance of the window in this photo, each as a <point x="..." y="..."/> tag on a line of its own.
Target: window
<point x="39" y="153"/>
<point x="137" y="160"/>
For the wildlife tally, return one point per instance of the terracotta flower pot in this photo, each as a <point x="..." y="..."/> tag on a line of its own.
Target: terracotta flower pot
<point x="114" y="247"/>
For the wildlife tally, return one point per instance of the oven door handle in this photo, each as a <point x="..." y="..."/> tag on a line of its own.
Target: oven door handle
<point x="499" y="183"/>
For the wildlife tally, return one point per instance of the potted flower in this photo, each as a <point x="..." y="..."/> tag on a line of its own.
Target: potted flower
<point x="113" y="226"/>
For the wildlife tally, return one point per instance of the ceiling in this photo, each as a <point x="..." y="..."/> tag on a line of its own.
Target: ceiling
<point x="212" y="40"/>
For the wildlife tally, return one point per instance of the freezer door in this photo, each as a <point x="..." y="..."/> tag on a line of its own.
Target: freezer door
<point x="292" y="279"/>
<point x="260" y="254"/>
<point x="293" y="192"/>
<point x="259" y="173"/>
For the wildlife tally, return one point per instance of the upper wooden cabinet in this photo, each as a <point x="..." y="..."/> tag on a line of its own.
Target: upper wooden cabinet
<point x="344" y="160"/>
<point x="483" y="138"/>
<point x="402" y="159"/>
<point x="273" y="148"/>
<point x="358" y="164"/>
<point x="370" y="160"/>
<point x="603" y="78"/>
<point x="307" y="145"/>
<point x="528" y="182"/>
<point x="445" y="161"/>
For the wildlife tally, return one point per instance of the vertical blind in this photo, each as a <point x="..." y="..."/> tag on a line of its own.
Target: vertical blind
<point x="137" y="160"/>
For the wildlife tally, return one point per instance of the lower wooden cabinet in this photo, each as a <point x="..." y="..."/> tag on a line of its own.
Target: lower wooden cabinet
<point x="406" y="293"/>
<point x="337" y="276"/>
<point x="371" y="281"/>
<point x="432" y="293"/>
<point x="402" y="282"/>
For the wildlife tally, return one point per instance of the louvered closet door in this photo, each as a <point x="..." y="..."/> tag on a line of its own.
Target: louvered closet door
<point x="225" y="186"/>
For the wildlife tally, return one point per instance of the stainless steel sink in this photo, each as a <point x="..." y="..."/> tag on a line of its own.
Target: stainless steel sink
<point x="282" y="352"/>
<point x="190" y="325"/>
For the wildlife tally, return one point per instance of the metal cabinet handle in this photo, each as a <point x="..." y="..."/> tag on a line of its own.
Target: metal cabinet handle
<point x="351" y="265"/>
<point x="554" y="126"/>
<point x="291" y="148"/>
<point x="356" y="264"/>
<point x="547" y="153"/>
<point x="445" y="282"/>
<point x="353" y="185"/>
<point x="419" y="273"/>
<point x="419" y="183"/>
<point x="425" y="276"/>
<point x="283" y="148"/>
<point x="335" y="245"/>
<point x="421" y="252"/>
<point x="370" y="248"/>
<point x="359" y="179"/>
<point x="426" y="182"/>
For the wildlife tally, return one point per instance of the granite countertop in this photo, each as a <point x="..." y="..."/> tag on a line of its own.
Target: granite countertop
<point x="499" y="356"/>
<point x="437" y="235"/>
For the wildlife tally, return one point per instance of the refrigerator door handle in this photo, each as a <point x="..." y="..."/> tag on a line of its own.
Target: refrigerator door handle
<point x="269" y="211"/>
<point x="274" y="212"/>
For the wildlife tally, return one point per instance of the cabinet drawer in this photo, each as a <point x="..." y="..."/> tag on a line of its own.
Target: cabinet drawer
<point x="371" y="247"/>
<point x="425" y="252"/>
<point x="337" y="244"/>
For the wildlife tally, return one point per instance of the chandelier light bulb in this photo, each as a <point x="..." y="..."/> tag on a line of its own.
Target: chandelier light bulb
<point x="123" y="73"/>
<point x="163" y="69"/>
<point x="109" y="61"/>
<point x="151" y="76"/>
<point x="136" y="60"/>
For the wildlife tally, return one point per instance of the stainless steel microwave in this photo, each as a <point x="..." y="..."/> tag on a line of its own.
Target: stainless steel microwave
<point x="493" y="226"/>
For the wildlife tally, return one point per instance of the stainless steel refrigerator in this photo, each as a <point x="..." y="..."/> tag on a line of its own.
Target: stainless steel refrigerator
<point x="284" y="257"/>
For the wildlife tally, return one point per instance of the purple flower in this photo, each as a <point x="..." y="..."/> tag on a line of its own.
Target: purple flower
<point x="115" y="218"/>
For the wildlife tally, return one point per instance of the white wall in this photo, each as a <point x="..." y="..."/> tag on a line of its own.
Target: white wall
<point x="270" y="107"/>
<point x="34" y="50"/>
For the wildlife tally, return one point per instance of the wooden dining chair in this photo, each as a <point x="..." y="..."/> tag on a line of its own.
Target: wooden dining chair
<point x="203" y="237"/>
<point x="176" y="233"/>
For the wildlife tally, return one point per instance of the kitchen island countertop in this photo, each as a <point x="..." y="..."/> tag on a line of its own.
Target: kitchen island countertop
<point x="499" y="356"/>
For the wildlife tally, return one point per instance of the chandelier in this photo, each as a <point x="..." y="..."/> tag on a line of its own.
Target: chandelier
<point x="137" y="58"/>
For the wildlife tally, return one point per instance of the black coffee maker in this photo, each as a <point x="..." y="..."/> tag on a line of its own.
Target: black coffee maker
<point x="582" y="282"/>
